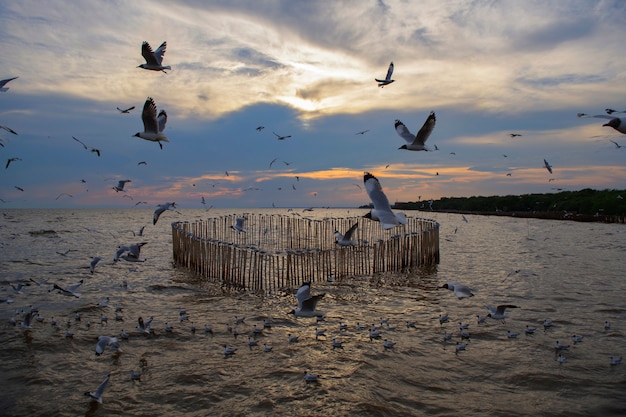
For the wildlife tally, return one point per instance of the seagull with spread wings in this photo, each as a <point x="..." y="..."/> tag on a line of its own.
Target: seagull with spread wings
<point x="382" y="209"/>
<point x="153" y="126"/>
<point x="126" y="111"/>
<point x="387" y="80"/>
<point x="617" y="123"/>
<point x="154" y="59"/>
<point x="416" y="142"/>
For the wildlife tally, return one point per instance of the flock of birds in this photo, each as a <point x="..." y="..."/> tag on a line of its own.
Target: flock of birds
<point x="154" y="121"/>
<point x="154" y="124"/>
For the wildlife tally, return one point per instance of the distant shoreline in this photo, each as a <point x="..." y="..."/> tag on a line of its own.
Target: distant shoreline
<point x="530" y="215"/>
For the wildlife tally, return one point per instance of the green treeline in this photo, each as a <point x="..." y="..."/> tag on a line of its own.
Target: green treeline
<point x="583" y="202"/>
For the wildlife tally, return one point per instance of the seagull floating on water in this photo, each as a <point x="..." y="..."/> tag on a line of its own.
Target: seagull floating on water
<point x="387" y="80"/>
<point x="382" y="209"/>
<point x="154" y="59"/>
<point x="416" y="142"/>
<point x="153" y="126"/>
<point x="309" y="377"/>
<point x="615" y="361"/>
<point x="306" y="302"/>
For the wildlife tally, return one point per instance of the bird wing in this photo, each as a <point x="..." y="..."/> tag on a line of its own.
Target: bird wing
<point x="103" y="341"/>
<point x="78" y="140"/>
<point x="310" y="303"/>
<point x="102" y="387"/>
<point x="8" y="129"/>
<point x="403" y="132"/>
<point x="389" y="72"/>
<point x="157" y="213"/>
<point x="3" y="82"/>
<point x="303" y="294"/>
<point x="149" y="116"/>
<point x="149" y="55"/>
<point x="375" y="192"/>
<point x="426" y="130"/>
<point x="600" y="116"/>
<point x="350" y="232"/>
<point x="501" y="308"/>
<point x="162" y="120"/>
<point x="160" y="52"/>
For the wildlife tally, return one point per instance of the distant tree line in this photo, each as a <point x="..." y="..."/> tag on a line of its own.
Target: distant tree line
<point x="564" y="204"/>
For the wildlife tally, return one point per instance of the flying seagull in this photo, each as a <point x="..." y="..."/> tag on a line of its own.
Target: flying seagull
<point x="514" y="134"/>
<point x="3" y="82"/>
<point x="97" y="396"/>
<point x="617" y="145"/>
<point x="281" y="137"/>
<point x="11" y="160"/>
<point x="97" y="151"/>
<point x="460" y="291"/>
<point x="416" y="142"/>
<point x="153" y="59"/>
<point x="239" y="225"/>
<point x="120" y="185"/>
<point x="160" y="209"/>
<point x="387" y="80"/>
<point x="306" y="302"/>
<point x="362" y="132"/>
<point x="547" y="166"/>
<point x="153" y="126"/>
<point x="259" y="128"/>
<point x="70" y="290"/>
<point x="126" y="111"/>
<point x="498" y="313"/>
<point x="382" y="209"/>
<point x="617" y="123"/>
<point x="346" y="240"/>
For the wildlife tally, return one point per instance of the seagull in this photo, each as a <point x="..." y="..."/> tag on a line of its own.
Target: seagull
<point x="144" y="327"/>
<point x="92" y="264"/>
<point x="309" y="377"/>
<point x="362" y="132"/>
<point x="617" y="145"/>
<point x="577" y="339"/>
<point x="615" y="361"/>
<point x="239" y="225"/>
<point x="4" y="82"/>
<point x="617" y="123"/>
<point x="387" y="80"/>
<point x="273" y="160"/>
<point x="160" y="209"/>
<point x="460" y="290"/>
<point x="11" y="160"/>
<point x="153" y="126"/>
<point x="561" y="359"/>
<point x="62" y="194"/>
<point x="70" y="290"/>
<point x="511" y="335"/>
<point x="266" y="347"/>
<point x="498" y="313"/>
<point x="154" y="59"/>
<point x="126" y="111"/>
<point x="120" y="185"/>
<point x="18" y="188"/>
<point x="306" y="302"/>
<point x="337" y="344"/>
<point x="548" y="166"/>
<point x="560" y="346"/>
<point x="104" y="341"/>
<point x="135" y="376"/>
<point x="388" y="344"/>
<point x="259" y="128"/>
<point x="529" y="329"/>
<point x="346" y="240"/>
<point x="133" y="250"/>
<point x="416" y="142"/>
<point x="382" y="209"/>
<point x="8" y="129"/>
<point x="281" y="137"/>
<point x="460" y="346"/>
<point x="514" y="134"/>
<point x="97" y="396"/>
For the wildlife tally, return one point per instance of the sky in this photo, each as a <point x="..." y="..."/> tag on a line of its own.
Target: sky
<point x="306" y="69"/>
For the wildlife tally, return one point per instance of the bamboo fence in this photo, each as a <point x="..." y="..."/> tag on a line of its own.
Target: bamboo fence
<point x="279" y="251"/>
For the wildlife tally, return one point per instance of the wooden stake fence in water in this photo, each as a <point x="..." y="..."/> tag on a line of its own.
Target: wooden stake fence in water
<point x="282" y="252"/>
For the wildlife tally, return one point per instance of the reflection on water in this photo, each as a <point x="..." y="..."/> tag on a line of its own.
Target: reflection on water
<point x="569" y="272"/>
